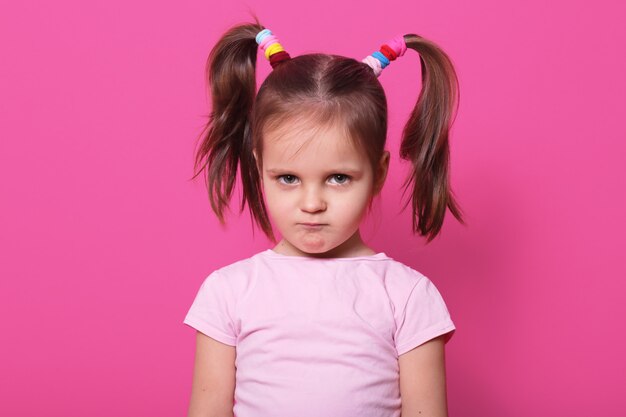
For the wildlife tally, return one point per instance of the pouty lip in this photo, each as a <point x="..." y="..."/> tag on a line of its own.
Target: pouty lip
<point x="312" y="224"/>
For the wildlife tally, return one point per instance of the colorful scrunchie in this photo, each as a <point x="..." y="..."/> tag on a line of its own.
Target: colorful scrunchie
<point x="274" y="51"/>
<point x="387" y="53"/>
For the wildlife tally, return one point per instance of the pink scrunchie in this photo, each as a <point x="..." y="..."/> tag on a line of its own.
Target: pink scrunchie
<point x="398" y="45"/>
<point x="267" y="41"/>
<point x="374" y="64"/>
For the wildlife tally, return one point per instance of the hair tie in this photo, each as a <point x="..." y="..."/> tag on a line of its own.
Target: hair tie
<point x="388" y="52"/>
<point x="274" y="51"/>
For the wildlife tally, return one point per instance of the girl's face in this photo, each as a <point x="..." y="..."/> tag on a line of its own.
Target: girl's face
<point x="317" y="192"/>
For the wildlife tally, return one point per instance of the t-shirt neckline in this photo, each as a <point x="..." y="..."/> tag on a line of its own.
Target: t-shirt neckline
<point x="273" y="254"/>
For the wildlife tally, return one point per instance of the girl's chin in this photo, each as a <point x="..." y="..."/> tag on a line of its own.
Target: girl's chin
<point x="317" y="242"/>
<point x="309" y="245"/>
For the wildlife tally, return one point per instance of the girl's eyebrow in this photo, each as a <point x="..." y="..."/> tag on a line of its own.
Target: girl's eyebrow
<point x="344" y="170"/>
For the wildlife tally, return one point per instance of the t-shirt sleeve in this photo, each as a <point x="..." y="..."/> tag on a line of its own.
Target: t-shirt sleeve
<point x="212" y="310"/>
<point x="425" y="317"/>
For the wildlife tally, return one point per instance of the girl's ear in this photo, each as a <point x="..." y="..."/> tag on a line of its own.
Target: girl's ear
<point x="381" y="174"/>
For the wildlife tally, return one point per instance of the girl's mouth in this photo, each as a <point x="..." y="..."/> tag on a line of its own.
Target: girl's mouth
<point x="312" y="226"/>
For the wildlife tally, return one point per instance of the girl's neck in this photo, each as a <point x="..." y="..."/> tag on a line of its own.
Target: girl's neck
<point x="352" y="247"/>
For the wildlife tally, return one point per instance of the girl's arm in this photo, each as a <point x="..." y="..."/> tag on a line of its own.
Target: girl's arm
<point x="213" y="386"/>
<point x="423" y="380"/>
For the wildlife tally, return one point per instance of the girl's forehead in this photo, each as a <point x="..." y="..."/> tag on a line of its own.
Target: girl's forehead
<point x="329" y="146"/>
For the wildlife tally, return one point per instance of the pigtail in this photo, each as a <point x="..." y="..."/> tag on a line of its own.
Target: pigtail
<point x="425" y="140"/>
<point x="226" y="139"/>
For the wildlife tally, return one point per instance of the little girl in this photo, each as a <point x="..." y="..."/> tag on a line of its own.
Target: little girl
<point x="320" y="325"/>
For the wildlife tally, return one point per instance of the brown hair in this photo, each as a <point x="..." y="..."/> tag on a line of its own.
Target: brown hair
<point x="324" y="89"/>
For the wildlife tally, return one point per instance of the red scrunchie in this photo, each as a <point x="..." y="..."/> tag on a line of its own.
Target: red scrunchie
<point x="388" y="52"/>
<point x="278" y="57"/>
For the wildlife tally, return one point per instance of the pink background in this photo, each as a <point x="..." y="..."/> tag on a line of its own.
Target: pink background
<point x="104" y="240"/>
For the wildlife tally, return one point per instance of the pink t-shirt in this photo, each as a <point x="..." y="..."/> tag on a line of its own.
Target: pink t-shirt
<point x="318" y="337"/>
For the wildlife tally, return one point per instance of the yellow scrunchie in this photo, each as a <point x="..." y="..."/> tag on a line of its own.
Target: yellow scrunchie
<point x="272" y="49"/>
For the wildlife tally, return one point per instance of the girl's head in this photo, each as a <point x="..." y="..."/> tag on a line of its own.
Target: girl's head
<point x="310" y="145"/>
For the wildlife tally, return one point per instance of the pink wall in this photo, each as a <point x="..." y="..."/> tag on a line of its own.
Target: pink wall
<point x="104" y="239"/>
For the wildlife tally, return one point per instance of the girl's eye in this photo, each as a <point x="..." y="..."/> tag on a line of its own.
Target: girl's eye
<point x="341" y="179"/>
<point x="288" y="179"/>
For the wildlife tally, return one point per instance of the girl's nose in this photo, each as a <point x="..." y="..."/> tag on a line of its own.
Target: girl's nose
<point x="313" y="200"/>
